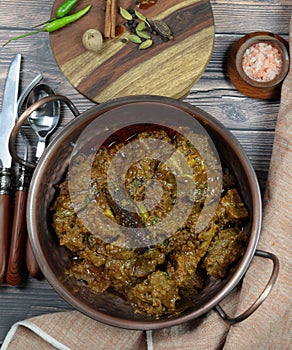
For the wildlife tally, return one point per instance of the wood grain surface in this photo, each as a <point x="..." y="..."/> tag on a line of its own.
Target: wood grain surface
<point x="251" y="120"/>
<point x="121" y="69"/>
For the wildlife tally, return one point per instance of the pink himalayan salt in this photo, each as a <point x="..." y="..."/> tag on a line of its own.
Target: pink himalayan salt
<point x="262" y="62"/>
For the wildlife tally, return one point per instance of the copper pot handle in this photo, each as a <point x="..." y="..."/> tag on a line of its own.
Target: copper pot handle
<point x="263" y="295"/>
<point x="21" y="120"/>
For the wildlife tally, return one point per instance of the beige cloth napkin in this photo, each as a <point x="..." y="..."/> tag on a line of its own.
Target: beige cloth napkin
<point x="270" y="327"/>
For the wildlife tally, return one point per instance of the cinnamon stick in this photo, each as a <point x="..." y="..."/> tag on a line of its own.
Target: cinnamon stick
<point x="107" y="20"/>
<point x="113" y="18"/>
<point x="110" y="19"/>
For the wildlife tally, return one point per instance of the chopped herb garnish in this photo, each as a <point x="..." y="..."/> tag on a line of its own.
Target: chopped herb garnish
<point x="87" y="199"/>
<point x="166" y="275"/>
<point x="166" y="242"/>
<point x="154" y="221"/>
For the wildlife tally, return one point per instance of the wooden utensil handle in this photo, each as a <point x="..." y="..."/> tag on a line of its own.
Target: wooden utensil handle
<point x="31" y="262"/>
<point x="16" y="264"/>
<point x="4" y="234"/>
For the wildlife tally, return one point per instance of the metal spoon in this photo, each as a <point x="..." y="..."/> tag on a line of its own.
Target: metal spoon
<point x="23" y="97"/>
<point x="45" y="119"/>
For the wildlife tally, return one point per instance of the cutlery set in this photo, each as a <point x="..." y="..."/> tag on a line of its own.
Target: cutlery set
<point x="16" y="255"/>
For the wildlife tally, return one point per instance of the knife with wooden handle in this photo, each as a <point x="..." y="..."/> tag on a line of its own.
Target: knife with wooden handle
<point x="8" y="117"/>
<point x="5" y="222"/>
<point x="16" y="271"/>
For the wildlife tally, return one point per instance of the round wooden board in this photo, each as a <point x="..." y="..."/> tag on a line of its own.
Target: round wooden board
<point x="121" y="69"/>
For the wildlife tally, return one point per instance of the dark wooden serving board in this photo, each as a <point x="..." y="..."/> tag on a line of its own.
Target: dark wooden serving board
<point x="121" y="69"/>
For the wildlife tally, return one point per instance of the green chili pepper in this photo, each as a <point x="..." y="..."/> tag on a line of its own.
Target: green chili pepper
<point x="62" y="22"/>
<point x="62" y="11"/>
<point x="55" y="25"/>
<point x="65" y="8"/>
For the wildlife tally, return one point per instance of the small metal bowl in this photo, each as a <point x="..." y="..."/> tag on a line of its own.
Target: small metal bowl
<point x="275" y="44"/>
<point x="267" y="89"/>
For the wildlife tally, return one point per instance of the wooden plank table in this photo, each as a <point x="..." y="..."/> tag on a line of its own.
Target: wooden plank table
<point x="252" y="121"/>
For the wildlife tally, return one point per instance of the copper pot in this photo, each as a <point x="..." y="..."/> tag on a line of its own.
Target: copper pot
<point x="53" y="259"/>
